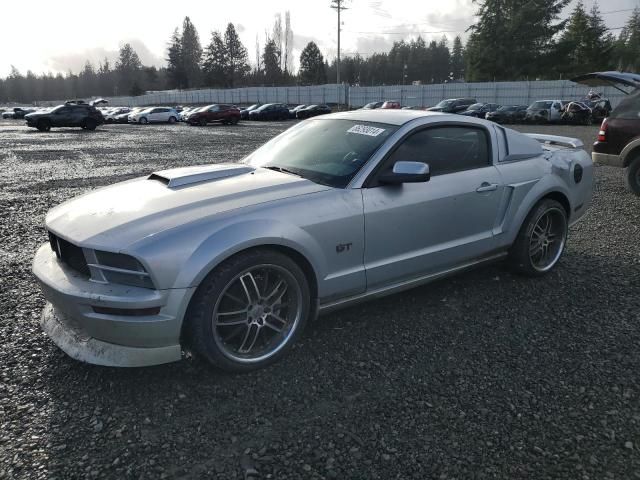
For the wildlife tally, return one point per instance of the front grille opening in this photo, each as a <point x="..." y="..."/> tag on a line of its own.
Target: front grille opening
<point x="69" y="254"/>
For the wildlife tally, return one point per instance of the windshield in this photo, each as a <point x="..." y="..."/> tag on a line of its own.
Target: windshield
<point x="253" y="107"/>
<point x="540" y="105"/>
<point x="476" y="106"/>
<point x="506" y="109"/>
<point x="444" y="103"/>
<point x="329" y="152"/>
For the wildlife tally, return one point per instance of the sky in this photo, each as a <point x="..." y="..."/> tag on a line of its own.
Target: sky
<point x="43" y="36"/>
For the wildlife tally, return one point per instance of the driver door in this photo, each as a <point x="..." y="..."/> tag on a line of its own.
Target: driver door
<point x="415" y="229"/>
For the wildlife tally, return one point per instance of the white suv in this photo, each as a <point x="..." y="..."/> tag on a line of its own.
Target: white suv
<point x="154" y="115"/>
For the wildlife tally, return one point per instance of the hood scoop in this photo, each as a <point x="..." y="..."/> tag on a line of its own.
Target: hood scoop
<point x="179" y="177"/>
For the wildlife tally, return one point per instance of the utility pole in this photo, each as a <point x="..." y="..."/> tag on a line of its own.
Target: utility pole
<point x="338" y="5"/>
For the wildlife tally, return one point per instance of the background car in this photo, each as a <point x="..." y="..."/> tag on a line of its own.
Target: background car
<point x="111" y="114"/>
<point x="71" y="114"/>
<point x="453" y="105"/>
<point x="124" y="117"/>
<point x="480" y="110"/>
<point x="618" y="142"/>
<point x="17" y="113"/>
<point x="270" y="111"/>
<point x="576" y="113"/>
<point x="296" y="109"/>
<point x="226" y="114"/>
<point x="544" y="111"/>
<point x="244" y="112"/>
<point x="372" y="105"/>
<point x="508" y="114"/>
<point x="312" y="111"/>
<point x="391" y="105"/>
<point x="154" y="115"/>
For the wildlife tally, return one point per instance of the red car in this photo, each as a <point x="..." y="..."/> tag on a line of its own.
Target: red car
<point x="226" y="114"/>
<point x="389" y="105"/>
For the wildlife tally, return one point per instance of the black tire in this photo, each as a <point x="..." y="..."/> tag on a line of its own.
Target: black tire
<point x="172" y="120"/>
<point x="204" y="338"/>
<point x="44" y="125"/>
<point x="90" y="124"/>
<point x="235" y="120"/>
<point x="143" y="121"/>
<point x="632" y="175"/>
<point x="520" y="254"/>
<point x="202" y="122"/>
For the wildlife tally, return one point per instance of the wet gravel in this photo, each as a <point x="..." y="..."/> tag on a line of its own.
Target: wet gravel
<point x="486" y="375"/>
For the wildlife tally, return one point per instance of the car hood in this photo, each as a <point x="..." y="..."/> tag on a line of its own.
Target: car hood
<point x="124" y="213"/>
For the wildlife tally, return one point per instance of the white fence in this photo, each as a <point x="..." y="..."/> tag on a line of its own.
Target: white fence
<point x="503" y="93"/>
<point x="334" y="94"/>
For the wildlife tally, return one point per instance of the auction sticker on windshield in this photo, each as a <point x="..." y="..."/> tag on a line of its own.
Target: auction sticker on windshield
<point x="366" y="130"/>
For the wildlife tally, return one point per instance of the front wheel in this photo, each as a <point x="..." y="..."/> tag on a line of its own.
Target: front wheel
<point x="249" y="311"/>
<point x="541" y="240"/>
<point x="144" y="120"/>
<point x="633" y="176"/>
<point x="44" y="125"/>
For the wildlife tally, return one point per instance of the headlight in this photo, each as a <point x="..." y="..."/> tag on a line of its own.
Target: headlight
<point x="119" y="268"/>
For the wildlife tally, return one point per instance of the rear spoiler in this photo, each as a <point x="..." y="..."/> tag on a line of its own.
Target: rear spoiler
<point x="556" y="140"/>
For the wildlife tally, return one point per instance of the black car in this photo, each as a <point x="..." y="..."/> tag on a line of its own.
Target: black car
<point x="313" y="111"/>
<point x="270" y="111"/>
<point x="293" y="111"/>
<point x="508" y="114"/>
<point x="17" y="113"/>
<point x="244" y="112"/>
<point x="71" y="114"/>
<point x="480" y="110"/>
<point x="453" y="105"/>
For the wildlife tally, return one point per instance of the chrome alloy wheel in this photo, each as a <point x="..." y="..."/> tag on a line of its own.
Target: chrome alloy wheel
<point x="547" y="240"/>
<point x="257" y="313"/>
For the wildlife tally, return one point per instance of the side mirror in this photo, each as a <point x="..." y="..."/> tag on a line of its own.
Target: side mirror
<point x="406" y="172"/>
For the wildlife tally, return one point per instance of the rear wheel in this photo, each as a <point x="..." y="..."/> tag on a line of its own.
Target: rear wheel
<point x="235" y="120"/>
<point x="90" y="124"/>
<point x="44" y="125"/>
<point x="633" y="176"/>
<point x="541" y="240"/>
<point x="172" y="119"/>
<point x="249" y="311"/>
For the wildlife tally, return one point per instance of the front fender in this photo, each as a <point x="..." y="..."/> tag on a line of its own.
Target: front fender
<point x="244" y="235"/>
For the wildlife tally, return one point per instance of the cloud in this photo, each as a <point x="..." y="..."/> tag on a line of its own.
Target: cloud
<point x="75" y="61"/>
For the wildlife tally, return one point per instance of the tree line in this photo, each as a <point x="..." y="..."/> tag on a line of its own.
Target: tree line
<point x="510" y="40"/>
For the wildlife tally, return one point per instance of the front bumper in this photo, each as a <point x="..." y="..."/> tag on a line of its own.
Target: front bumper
<point x="108" y="339"/>
<point x="607" y="159"/>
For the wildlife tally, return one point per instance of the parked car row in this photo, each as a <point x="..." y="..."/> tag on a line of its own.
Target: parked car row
<point x="592" y="109"/>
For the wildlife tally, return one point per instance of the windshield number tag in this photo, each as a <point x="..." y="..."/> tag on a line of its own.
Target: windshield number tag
<point x="366" y="130"/>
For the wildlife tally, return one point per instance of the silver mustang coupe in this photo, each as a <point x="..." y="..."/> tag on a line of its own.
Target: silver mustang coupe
<point x="232" y="260"/>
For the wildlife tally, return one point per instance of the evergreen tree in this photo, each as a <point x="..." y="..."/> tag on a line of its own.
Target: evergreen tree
<point x="628" y="44"/>
<point x="271" y="63"/>
<point x="175" y="72"/>
<point x="457" y="59"/>
<point x="190" y="55"/>
<point x="237" y="65"/>
<point x="214" y="66"/>
<point x="128" y="69"/>
<point x="312" y="67"/>
<point x="513" y="39"/>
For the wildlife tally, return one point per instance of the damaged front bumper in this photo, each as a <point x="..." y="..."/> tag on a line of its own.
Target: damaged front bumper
<point x="74" y="317"/>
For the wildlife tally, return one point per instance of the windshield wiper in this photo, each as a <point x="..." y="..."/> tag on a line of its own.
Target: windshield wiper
<point x="283" y="170"/>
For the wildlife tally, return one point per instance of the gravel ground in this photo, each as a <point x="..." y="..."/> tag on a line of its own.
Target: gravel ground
<point x="486" y="375"/>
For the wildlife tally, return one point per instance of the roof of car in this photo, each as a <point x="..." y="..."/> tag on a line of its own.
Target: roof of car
<point x="392" y="117"/>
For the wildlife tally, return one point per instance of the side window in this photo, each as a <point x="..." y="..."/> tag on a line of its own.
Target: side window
<point x="63" y="111"/>
<point x="446" y="149"/>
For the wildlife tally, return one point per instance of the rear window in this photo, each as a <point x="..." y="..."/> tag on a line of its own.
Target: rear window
<point x="629" y="107"/>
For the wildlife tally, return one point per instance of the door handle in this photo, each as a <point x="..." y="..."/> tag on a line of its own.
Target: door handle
<point x="487" y="187"/>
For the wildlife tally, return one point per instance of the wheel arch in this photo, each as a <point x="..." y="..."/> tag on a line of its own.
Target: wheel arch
<point x="298" y="257"/>
<point x="630" y="152"/>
